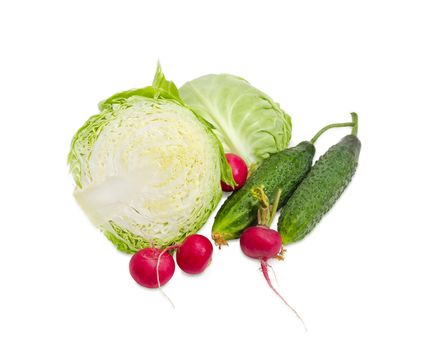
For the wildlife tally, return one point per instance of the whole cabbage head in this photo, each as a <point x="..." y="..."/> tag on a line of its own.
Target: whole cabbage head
<point x="147" y="168"/>
<point x="247" y="121"/>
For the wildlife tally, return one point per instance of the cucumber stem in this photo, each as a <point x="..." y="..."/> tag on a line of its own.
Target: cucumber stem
<point x="355" y="122"/>
<point x="331" y="126"/>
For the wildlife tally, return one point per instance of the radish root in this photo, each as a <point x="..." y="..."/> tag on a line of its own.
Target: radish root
<point x="264" y="266"/>
<point x="157" y="273"/>
<point x="281" y="255"/>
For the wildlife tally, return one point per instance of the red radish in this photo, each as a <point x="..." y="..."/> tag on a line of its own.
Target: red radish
<point x="240" y="172"/>
<point x="150" y="266"/>
<point x="194" y="254"/>
<point x="153" y="267"/>
<point x="261" y="242"/>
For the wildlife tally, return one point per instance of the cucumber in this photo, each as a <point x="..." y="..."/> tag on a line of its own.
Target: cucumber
<point x="320" y="189"/>
<point x="282" y="170"/>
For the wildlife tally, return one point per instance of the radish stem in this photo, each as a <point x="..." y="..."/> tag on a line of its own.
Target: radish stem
<point x="274" y="206"/>
<point x="266" y="211"/>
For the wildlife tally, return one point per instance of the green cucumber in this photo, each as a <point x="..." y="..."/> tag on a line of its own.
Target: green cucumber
<point x="282" y="171"/>
<point x="320" y="188"/>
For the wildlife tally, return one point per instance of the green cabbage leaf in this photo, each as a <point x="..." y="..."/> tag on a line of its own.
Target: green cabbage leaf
<point x="247" y="121"/>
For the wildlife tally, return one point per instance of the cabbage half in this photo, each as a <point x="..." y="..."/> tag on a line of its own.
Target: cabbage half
<point x="147" y="168"/>
<point x="247" y="121"/>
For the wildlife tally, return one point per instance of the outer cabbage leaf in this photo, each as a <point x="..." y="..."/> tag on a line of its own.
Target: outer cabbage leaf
<point x="247" y="121"/>
<point x="147" y="168"/>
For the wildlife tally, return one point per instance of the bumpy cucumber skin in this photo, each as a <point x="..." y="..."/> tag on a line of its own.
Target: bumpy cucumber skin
<point x="319" y="190"/>
<point x="284" y="170"/>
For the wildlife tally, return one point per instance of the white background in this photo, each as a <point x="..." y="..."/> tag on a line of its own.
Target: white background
<point x="368" y="277"/>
